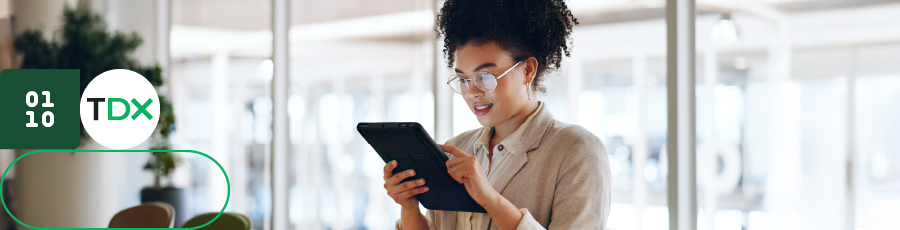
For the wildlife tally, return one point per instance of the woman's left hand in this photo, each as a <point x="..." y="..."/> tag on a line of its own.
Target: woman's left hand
<point x="466" y="170"/>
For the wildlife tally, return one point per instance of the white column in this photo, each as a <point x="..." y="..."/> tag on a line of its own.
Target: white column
<point x="219" y="86"/>
<point x="280" y="140"/>
<point x="378" y="203"/>
<point x="79" y="191"/>
<point x="708" y="158"/>
<point x="238" y="167"/>
<point x="300" y="162"/>
<point x="681" y="135"/>
<point x="335" y="152"/>
<point x="780" y="53"/>
<point x="855" y="173"/>
<point x="443" y="95"/>
<point x="781" y="106"/>
<point x="639" y="152"/>
<point x="423" y="52"/>
<point x="138" y="16"/>
<point x="163" y="9"/>
<point x="417" y="89"/>
<point x="376" y="86"/>
<point x="576" y="74"/>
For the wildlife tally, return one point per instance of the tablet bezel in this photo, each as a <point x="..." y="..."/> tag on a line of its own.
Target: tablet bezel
<point x="437" y="197"/>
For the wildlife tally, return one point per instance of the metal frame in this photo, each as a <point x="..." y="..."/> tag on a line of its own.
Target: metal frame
<point x="681" y="136"/>
<point x="474" y="81"/>
<point x="280" y="141"/>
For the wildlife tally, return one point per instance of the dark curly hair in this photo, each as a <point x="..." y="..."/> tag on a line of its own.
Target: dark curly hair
<point x="522" y="28"/>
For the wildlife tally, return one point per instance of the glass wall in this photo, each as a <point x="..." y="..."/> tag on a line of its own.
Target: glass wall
<point x="352" y="61"/>
<point x="220" y="78"/>
<point x="791" y="105"/>
<point x="794" y="106"/>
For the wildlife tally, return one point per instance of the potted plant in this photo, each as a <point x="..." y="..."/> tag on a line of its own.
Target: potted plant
<point x="84" y="43"/>
<point x="162" y="164"/>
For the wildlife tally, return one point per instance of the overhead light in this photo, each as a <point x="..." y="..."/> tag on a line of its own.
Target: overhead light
<point x="724" y="31"/>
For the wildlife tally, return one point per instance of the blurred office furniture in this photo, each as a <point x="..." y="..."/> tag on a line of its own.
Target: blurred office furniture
<point x="146" y="215"/>
<point x="227" y="221"/>
<point x="177" y="197"/>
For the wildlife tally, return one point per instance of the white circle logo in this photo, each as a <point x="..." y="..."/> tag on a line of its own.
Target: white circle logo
<point x="119" y="109"/>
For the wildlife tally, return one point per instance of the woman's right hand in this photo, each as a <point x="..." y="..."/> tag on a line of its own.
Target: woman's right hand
<point x="403" y="193"/>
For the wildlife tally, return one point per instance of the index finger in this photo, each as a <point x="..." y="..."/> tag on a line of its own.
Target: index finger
<point x="454" y="150"/>
<point x="389" y="167"/>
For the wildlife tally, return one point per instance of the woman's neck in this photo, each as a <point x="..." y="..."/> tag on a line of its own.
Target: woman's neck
<point x="508" y="127"/>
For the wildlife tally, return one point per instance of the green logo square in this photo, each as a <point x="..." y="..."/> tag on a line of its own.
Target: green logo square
<point x="39" y="109"/>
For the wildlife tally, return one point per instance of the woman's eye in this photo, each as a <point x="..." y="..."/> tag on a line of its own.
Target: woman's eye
<point x="485" y="76"/>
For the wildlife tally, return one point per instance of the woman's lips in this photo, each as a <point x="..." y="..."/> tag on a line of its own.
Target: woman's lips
<point x="482" y="109"/>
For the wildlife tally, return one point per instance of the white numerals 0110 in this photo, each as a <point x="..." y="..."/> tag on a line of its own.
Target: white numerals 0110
<point x="31" y="99"/>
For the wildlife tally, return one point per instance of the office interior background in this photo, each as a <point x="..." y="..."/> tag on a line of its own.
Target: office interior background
<point x="797" y="105"/>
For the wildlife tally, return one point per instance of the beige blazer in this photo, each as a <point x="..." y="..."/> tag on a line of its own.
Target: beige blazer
<point x="563" y="179"/>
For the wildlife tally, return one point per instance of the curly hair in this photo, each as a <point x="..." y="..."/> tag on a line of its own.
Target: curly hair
<point x="522" y="28"/>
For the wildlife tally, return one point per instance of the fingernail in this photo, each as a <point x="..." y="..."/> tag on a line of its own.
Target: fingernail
<point x="411" y="172"/>
<point x="394" y="162"/>
<point x="421" y="181"/>
<point x="425" y="189"/>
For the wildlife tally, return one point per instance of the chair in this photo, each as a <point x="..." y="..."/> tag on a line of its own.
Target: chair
<point x="227" y="221"/>
<point x="147" y="215"/>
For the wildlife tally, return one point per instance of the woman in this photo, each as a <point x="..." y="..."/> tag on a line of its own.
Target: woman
<point x="528" y="170"/>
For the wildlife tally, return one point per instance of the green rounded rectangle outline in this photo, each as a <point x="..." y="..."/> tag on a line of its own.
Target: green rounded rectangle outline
<point x="227" y="198"/>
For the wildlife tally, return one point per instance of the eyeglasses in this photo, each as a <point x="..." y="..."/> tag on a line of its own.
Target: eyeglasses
<point x="485" y="81"/>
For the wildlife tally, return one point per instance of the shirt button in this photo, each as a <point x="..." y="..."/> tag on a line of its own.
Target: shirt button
<point x="500" y="147"/>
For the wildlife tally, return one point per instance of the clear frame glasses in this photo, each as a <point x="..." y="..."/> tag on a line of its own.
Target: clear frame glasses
<point x="485" y="81"/>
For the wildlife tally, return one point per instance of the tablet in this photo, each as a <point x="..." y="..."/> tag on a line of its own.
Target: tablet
<point x="410" y="145"/>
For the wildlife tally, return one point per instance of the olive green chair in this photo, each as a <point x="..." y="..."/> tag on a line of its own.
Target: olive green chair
<point x="146" y="215"/>
<point x="227" y="221"/>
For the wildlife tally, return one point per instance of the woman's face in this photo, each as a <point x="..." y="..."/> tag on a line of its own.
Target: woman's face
<point x="509" y="98"/>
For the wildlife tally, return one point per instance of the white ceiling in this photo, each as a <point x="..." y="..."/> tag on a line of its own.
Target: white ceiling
<point x="324" y="44"/>
<point x="256" y="14"/>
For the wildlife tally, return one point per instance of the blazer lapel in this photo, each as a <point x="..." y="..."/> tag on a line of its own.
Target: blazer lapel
<point x="535" y="132"/>
<point x="530" y="141"/>
<point x="505" y="174"/>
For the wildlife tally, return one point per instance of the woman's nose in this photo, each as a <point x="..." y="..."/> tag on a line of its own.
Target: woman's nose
<point x="473" y="91"/>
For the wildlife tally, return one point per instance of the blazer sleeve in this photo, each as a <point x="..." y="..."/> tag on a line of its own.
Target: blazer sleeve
<point x="528" y="222"/>
<point x="583" y="187"/>
<point x="429" y="215"/>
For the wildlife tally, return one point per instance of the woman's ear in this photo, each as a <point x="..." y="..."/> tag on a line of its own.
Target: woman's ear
<point x="531" y="66"/>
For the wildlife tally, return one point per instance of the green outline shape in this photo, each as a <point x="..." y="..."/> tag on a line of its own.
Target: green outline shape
<point x="186" y="151"/>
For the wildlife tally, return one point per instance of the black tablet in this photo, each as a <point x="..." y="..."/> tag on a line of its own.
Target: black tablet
<point x="410" y="145"/>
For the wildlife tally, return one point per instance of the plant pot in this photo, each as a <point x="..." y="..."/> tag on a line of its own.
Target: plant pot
<point x="177" y="197"/>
